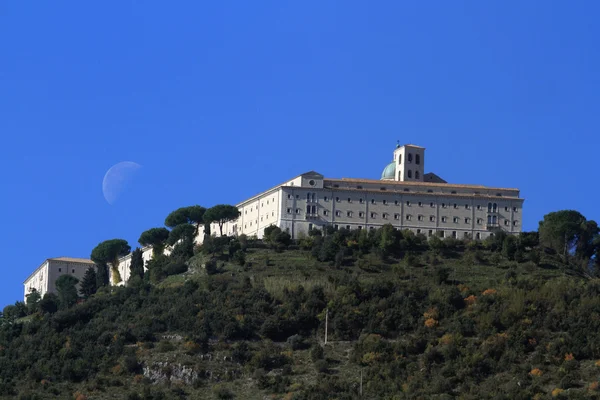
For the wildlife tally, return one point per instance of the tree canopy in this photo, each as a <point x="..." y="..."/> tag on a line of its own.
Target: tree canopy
<point x="66" y="290"/>
<point x="155" y="237"/>
<point x="193" y="215"/>
<point x="109" y="252"/>
<point x="220" y="214"/>
<point x="181" y="232"/>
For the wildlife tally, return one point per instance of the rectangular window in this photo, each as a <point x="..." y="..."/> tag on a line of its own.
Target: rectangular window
<point x="506" y="222"/>
<point x="72" y="271"/>
<point x="443" y="205"/>
<point x="349" y="214"/>
<point x="515" y="223"/>
<point x="455" y="220"/>
<point x="384" y="202"/>
<point x="384" y="216"/>
<point x="467" y="220"/>
<point x="443" y="219"/>
<point x="429" y="191"/>
<point x="359" y="187"/>
<point x="308" y="209"/>
<point x="372" y="201"/>
<point x="478" y="236"/>
<point x="479" y="221"/>
<point x="407" y="190"/>
<point x="336" y="227"/>
<point x="506" y="209"/>
<point x="59" y="270"/>
<point x="467" y="207"/>
<point x="338" y="214"/>
<point x="420" y="204"/>
<point x="325" y="212"/>
<point x="408" y="203"/>
<point x="455" y="205"/>
<point x="325" y="198"/>
<point x="454" y="234"/>
<point x="297" y="212"/>
<point x="396" y="216"/>
<point x="430" y="233"/>
<point x="360" y="200"/>
<point x="373" y="215"/>
<point x="396" y="202"/>
<point x="418" y="231"/>
<point x="420" y="218"/>
<point x="289" y="196"/>
<point x="337" y="199"/>
<point x="431" y="205"/>
<point x="479" y="206"/>
<point x="348" y="227"/>
<point x="361" y="214"/>
<point x="431" y="218"/>
<point x="349" y="200"/>
<point x="514" y="209"/>
<point x="408" y="217"/>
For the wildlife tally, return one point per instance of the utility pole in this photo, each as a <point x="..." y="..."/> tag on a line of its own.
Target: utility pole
<point x="326" y="322"/>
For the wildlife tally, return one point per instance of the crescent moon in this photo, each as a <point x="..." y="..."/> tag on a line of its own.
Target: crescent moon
<point x="117" y="178"/>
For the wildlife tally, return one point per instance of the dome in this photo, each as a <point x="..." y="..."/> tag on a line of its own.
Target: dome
<point x="389" y="172"/>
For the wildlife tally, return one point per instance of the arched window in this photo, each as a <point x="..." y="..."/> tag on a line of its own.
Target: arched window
<point x="417" y="158"/>
<point x="399" y="159"/>
<point x="409" y="157"/>
<point x="494" y="207"/>
<point x="489" y="219"/>
<point x="494" y="219"/>
<point x="489" y="207"/>
<point x="416" y="174"/>
<point x="409" y="173"/>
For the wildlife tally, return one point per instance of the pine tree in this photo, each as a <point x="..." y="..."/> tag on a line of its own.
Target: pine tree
<point x="101" y="275"/>
<point x="137" y="264"/>
<point x="89" y="283"/>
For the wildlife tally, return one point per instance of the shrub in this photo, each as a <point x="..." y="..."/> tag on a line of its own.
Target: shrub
<point x="536" y="372"/>
<point x="321" y="366"/>
<point x="222" y="392"/>
<point x="317" y="353"/>
<point x="239" y="257"/>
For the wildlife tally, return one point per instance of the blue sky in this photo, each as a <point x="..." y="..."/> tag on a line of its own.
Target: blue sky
<point x="220" y="101"/>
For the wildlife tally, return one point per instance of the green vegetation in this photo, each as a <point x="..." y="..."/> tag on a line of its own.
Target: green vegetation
<point x="241" y="318"/>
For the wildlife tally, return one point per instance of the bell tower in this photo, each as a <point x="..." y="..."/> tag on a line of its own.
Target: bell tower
<point x="410" y="163"/>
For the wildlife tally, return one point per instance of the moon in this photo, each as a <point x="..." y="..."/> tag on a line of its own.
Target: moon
<point x="117" y="178"/>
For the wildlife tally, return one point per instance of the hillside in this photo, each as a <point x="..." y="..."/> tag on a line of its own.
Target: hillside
<point x="240" y="318"/>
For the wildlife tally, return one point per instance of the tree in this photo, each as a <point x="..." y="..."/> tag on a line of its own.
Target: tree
<point x="109" y="252"/>
<point x="137" y="264"/>
<point x="155" y="237"/>
<point x="181" y="233"/>
<point x="89" y="283"/>
<point x="33" y="299"/>
<point x="221" y="214"/>
<point x="509" y="247"/>
<point x="101" y="275"/>
<point x="193" y="215"/>
<point x="66" y="290"/>
<point x="49" y="303"/>
<point x="568" y="233"/>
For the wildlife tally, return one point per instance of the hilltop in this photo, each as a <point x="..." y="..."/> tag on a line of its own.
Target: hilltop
<point x="510" y="317"/>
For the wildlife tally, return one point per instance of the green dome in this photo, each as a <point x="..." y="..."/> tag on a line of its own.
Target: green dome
<point x="389" y="172"/>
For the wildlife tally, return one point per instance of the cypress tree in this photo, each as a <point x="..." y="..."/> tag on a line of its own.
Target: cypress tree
<point x="137" y="264"/>
<point x="89" y="283"/>
<point x="101" y="275"/>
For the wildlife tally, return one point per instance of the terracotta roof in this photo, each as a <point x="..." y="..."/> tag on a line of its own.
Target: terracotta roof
<point x="73" y="259"/>
<point x="407" y="183"/>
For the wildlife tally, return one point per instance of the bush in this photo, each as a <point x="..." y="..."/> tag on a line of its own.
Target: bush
<point x="317" y="353"/>
<point x="321" y="366"/>
<point x="222" y="392"/>
<point x="239" y="257"/>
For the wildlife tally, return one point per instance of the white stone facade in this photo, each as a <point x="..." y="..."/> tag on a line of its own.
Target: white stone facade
<point x="125" y="264"/>
<point x="43" y="279"/>
<point x="405" y="197"/>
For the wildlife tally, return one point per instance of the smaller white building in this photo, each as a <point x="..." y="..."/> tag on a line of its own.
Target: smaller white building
<point x="43" y="279"/>
<point x="125" y="265"/>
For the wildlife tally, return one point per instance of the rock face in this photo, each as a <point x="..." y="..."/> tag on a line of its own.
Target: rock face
<point x="162" y="372"/>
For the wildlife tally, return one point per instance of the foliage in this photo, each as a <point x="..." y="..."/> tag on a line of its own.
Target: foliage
<point x="155" y="237"/>
<point x="136" y="269"/>
<point x="89" y="283"/>
<point x="66" y="290"/>
<point x="193" y="215"/>
<point x="109" y="252"/>
<point x="221" y="214"/>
